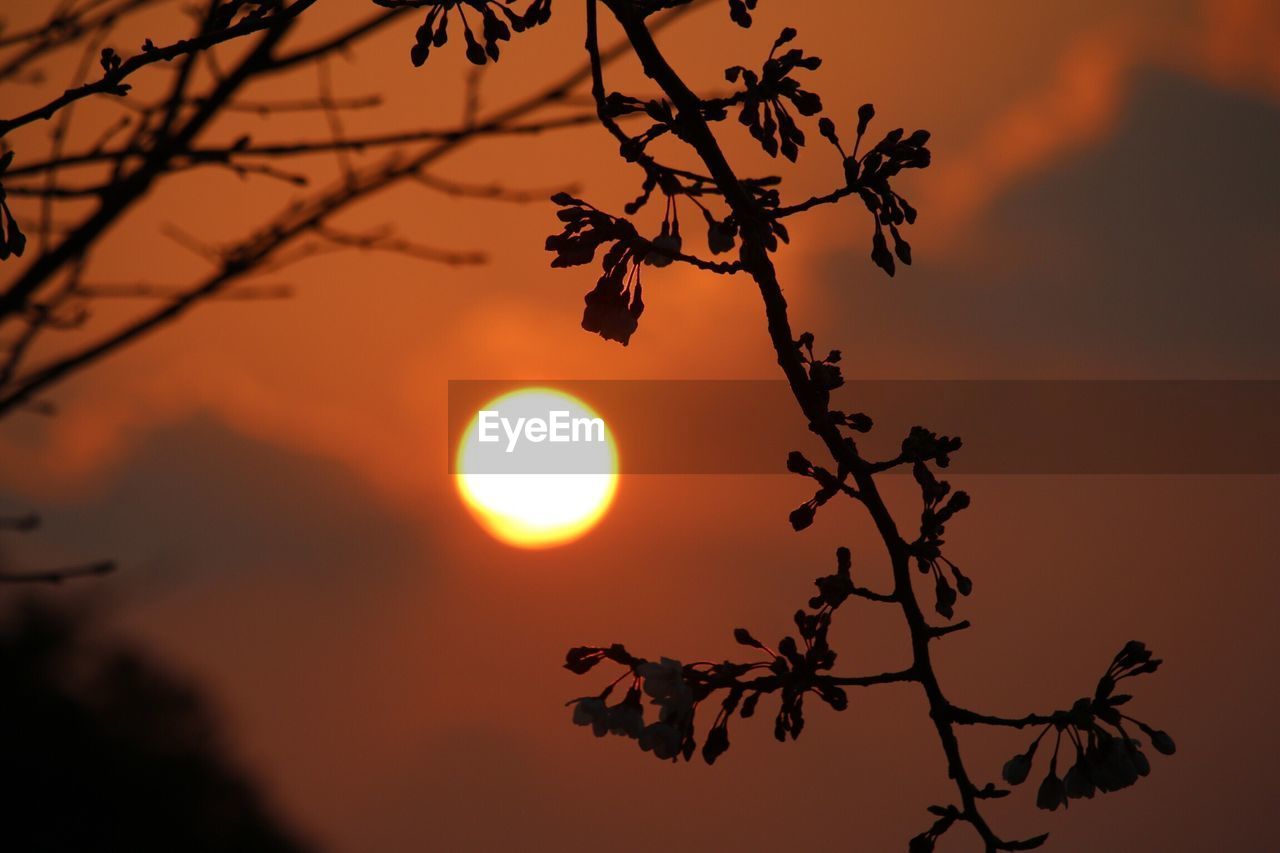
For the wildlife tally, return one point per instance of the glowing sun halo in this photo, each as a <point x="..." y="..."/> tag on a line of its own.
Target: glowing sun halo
<point x="540" y="509"/>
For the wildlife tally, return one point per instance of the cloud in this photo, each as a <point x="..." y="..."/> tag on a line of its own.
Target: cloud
<point x="1148" y="253"/>
<point x="1079" y="105"/>
<point x="1239" y="44"/>
<point x="1233" y="44"/>
<point x="196" y="498"/>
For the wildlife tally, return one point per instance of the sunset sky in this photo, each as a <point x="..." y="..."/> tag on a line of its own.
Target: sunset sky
<point x="271" y="476"/>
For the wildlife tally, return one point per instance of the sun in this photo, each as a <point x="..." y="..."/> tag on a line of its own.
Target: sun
<point x="537" y="468"/>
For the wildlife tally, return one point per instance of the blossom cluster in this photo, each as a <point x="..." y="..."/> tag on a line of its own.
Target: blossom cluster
<point x="1108" y="756"/>
<point x="767" y="103"/>
<point x="799" y="666"/>
<point x="614" y="306"/>
<point x="940" y="505"/>
<point x="763" y="111"/>
<point x="497" y="22"/>
<point x="870" y="176"/>
<point x="664" y="684"/>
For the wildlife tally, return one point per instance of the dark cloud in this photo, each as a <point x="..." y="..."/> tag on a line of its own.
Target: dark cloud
<point x="1151" y="253"/>
<point x="198" y="498"/>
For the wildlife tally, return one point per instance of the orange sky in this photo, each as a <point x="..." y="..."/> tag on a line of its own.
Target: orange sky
<point x="271" y="474"/>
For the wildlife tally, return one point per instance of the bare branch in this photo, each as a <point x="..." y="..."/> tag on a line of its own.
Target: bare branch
<point x="302" y="105"/>
<point x="21" y="523"/>
<point x="220" y="154"/>
<point x="262" y="251"/>
<point x="382" y="240"/>
<point x="487" y="192"/>
<point x="57" y="576"/>
<point x="143" y="290"/>
<point x="112" y="81"/>
<point x="62" y="29"/>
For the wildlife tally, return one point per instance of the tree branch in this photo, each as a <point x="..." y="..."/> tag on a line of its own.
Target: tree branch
<point x="112" y="81"/>
<point x="248" y="256"/>
<point x="57" y="576"/>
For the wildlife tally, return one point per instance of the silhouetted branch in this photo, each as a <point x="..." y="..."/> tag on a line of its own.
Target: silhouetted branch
<point x="383" y="241"/>
<point x="1107" y="755"/>
<point x="338" y="42"/>
<point x="277" y="241"/>
<point x="155" y="291"/>
<point x="63" y="27"/>
<point x="336" y="130"/>
<point x="21" y="523"/>
<point x="223" y="153"/>
<point x="943" y="630"/>
<point x="155" y="140"/>
<point x="27" y="523"/>
<point x="115" y="71"/>
<point x="303" y="105"/>
<point x="56" y="576"/>
<point x="487" y="192"/>
<point x="966" y="717"/>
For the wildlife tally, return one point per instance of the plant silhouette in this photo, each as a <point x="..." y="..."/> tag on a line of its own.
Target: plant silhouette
<point x="76" y="192"/>
<point x="1092" y="747"/>
<point x="105" y="751"/>
<point x="50" y="290"/>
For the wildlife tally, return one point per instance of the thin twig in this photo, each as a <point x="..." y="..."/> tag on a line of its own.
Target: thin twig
<point x="112" y="81"/>
<point x="57" y="576"/>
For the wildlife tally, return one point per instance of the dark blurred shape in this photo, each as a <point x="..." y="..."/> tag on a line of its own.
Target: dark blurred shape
<point x="101" y="750"/>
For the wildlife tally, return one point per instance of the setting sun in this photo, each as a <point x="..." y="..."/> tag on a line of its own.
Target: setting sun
<point x="537" y="468"/>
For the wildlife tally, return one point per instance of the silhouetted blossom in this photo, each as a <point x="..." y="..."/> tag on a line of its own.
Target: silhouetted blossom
<point x="664" y="683"/>
<point x="662" y="739"/>
<point x="1017" y="769"/>
<point x="869" y="175"/>
<point x="583" y="659"/>
<point x="13" y="241"/>
<point x="834" y="589"/>
<point x="615" y="304"/>
<point x="226" y="13"/>
<point x="667" y="244"/>
<point x="497" y="22"/>
<point x="720" y="236"/>
<point x="824" y="372"/>
<point x="925" y="841"/>
<point x="1107" y="755"/>
<point x="591" y="711"/>
<point x="586" y="228"/>
<point x="797" y="668"/>
<point x="740" y="11"/>
<point x="923" y="445"/>
<point x="762" y="108"/>
<point x="829" y="486"/>
<point x="1052" y="792"/>
<point x="626" y="718"/>
<point x="856" y="421"/>
<point x="110" y="61"/>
